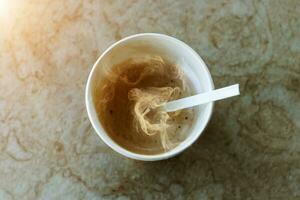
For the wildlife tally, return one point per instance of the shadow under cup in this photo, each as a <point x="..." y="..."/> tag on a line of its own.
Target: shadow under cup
<point x="171" y="49"/>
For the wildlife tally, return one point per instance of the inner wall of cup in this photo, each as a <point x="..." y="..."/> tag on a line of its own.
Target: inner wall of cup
<point x="171" y="50"/>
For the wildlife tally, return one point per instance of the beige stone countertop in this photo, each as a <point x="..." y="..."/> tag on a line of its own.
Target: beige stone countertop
<point x="48" y="149"/>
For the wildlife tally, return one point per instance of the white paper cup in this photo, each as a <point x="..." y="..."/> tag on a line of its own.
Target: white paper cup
<point x="172" y="49"/>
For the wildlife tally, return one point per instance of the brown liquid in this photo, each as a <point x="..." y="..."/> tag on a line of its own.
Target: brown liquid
<point x="115" y="110"/>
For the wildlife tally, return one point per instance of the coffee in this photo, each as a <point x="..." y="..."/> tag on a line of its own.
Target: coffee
<point x="129" y="100"/>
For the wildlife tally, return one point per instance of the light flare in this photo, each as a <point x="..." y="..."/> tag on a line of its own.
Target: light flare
<point x="4" y="8"/>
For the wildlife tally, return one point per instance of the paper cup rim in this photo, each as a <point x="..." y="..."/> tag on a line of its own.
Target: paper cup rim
<point x="113" y="144"/>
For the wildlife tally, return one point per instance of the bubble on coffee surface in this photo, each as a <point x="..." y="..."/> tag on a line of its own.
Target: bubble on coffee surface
<point x="130" y="105"/>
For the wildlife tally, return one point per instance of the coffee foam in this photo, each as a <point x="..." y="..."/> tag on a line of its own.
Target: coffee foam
<point x="149" y="81"/>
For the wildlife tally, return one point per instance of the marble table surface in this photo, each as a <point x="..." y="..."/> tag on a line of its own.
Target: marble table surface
<point x="48" y="149"/>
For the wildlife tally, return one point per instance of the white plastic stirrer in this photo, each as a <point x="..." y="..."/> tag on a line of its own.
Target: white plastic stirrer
<point x="203" y="98"/>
